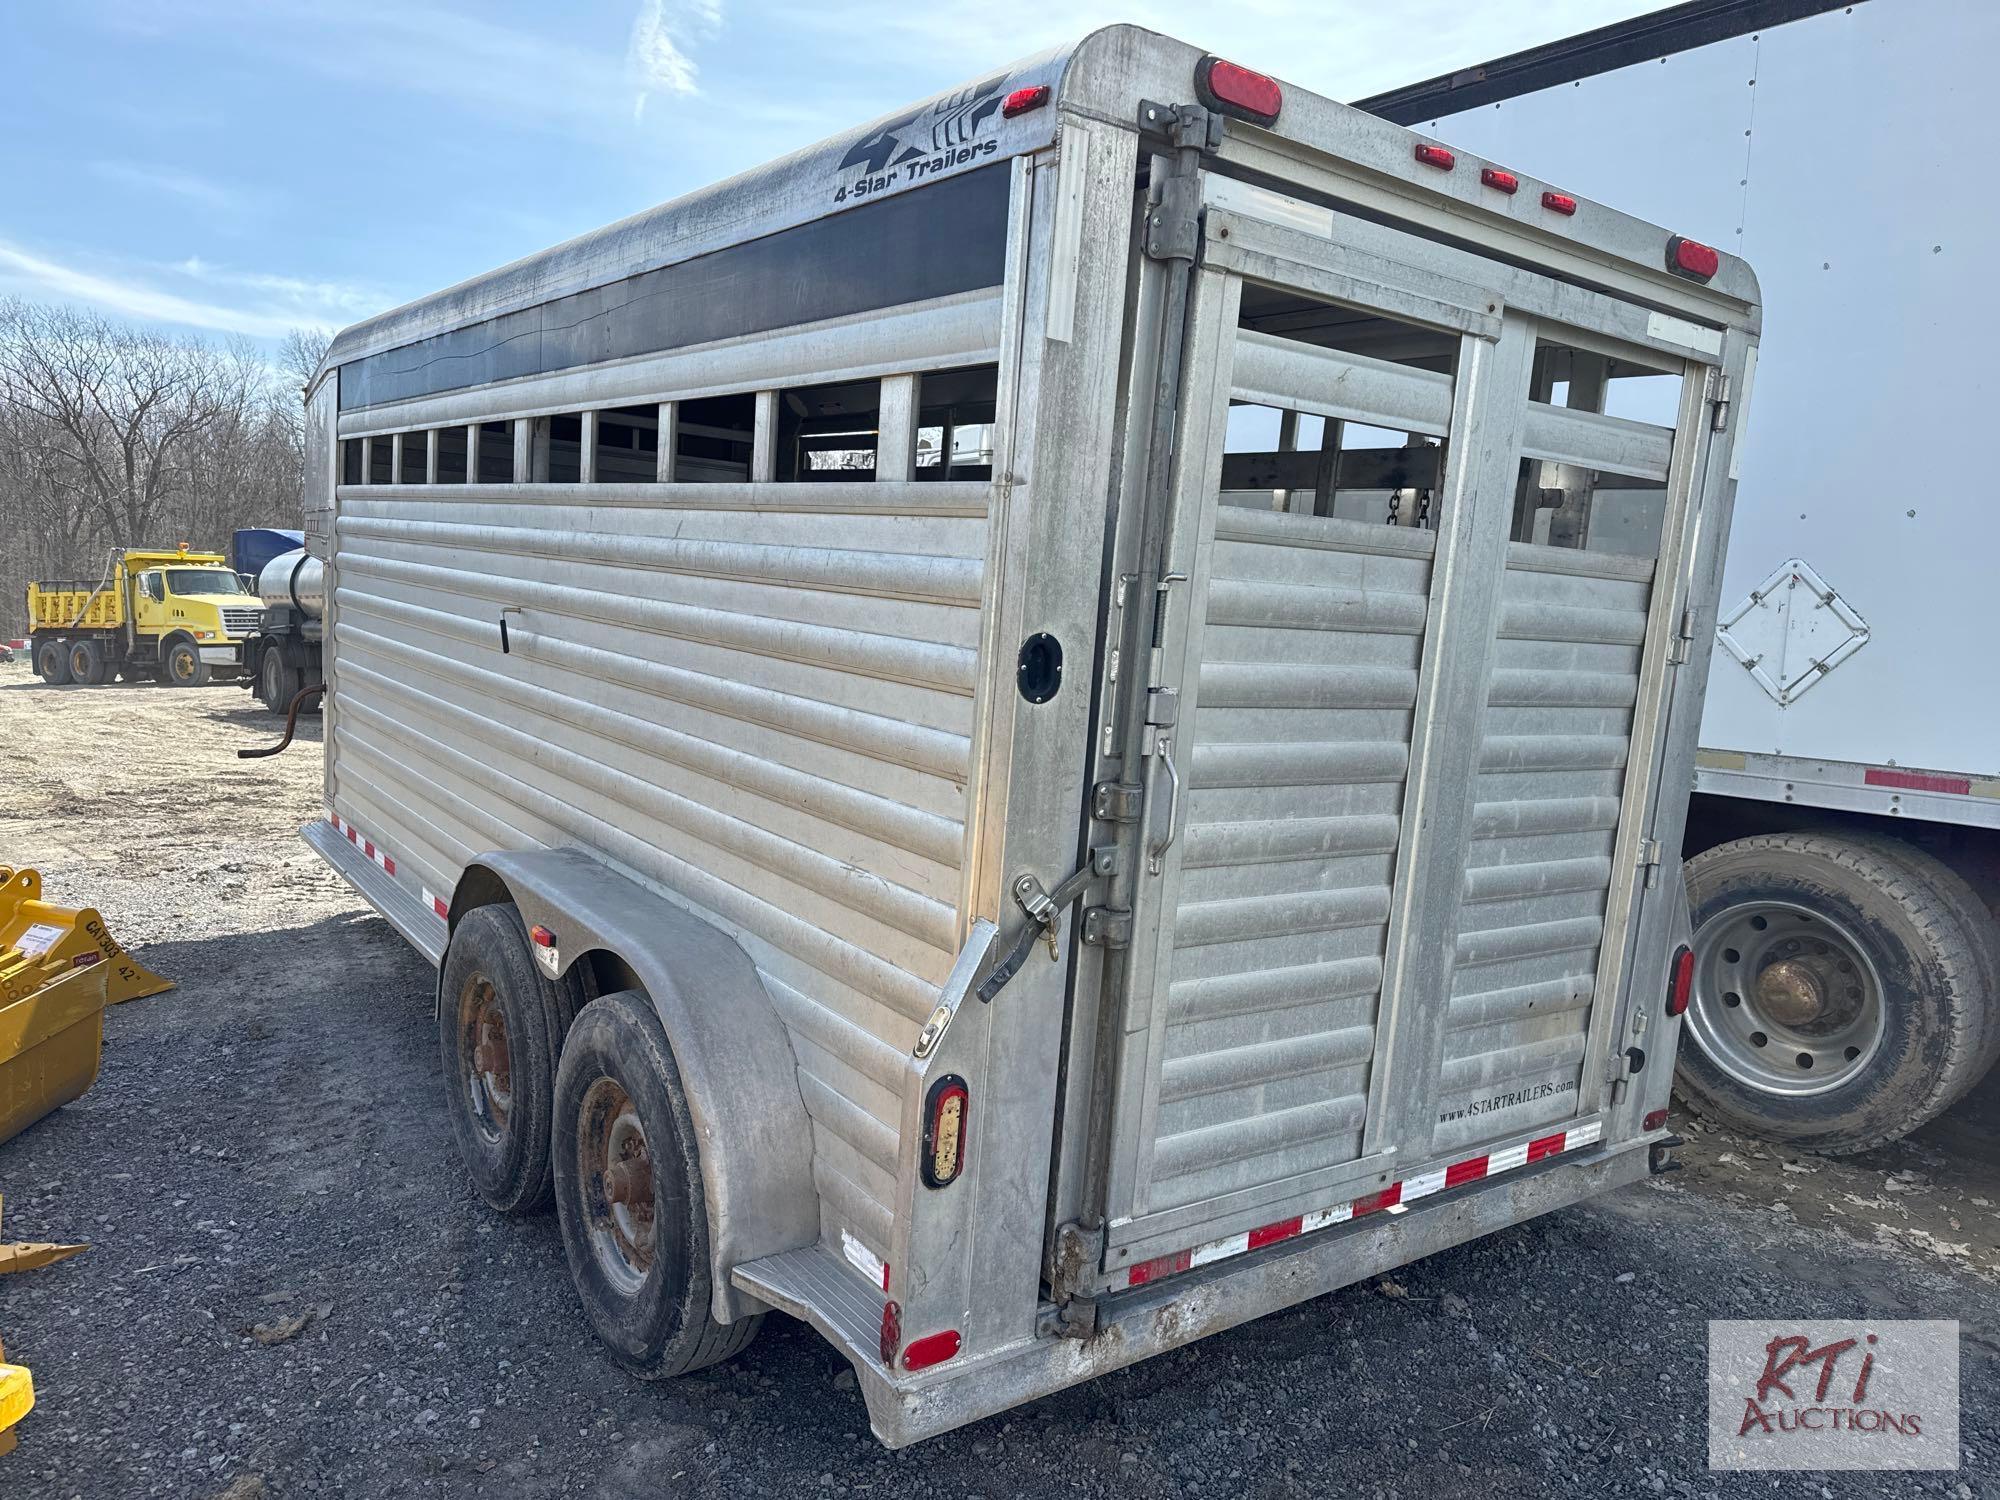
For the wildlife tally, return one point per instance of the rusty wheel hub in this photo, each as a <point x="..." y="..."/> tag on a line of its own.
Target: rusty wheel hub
<point x="482" y="1041"/>
<point x="617" y="1176"/>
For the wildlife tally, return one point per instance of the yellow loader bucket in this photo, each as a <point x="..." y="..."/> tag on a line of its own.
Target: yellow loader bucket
<point x="59" y="968"/>
<point x="17" y="1398"/>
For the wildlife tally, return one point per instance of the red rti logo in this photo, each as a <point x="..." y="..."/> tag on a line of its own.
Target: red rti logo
<point x="1785" y="1357"/>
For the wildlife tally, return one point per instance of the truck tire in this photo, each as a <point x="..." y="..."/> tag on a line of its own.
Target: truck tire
<point x="181" y="664"/>
<point x="277" y="684"/>
<point x="500" y="1025"/>
<point x="86" y="663"/>
<point x="1838" y="991"/>
<point x="52" y="662"/>
<point x="629" y="1195"/>
<point x="1980" y="925"/>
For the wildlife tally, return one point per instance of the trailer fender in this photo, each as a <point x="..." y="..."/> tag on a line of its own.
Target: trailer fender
<point x="733" y="1052"/>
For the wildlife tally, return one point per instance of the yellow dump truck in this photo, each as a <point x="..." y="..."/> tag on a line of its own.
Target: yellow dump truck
<point x="178" y="616"/>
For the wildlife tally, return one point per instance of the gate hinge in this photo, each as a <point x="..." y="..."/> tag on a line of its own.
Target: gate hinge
<point x="1188" y="126"/>
<point x="1173" y="222"/>
<point x="1073" y="1263"/>
<point x="1683" y="641"/>
<point x="1116" y="802"/>
<point x="1649" y="860"/>
<point x="1719" y="421"/>
<point x="1107" y="926"/>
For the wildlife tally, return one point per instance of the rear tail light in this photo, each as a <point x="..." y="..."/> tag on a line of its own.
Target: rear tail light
<point x="931" y="1349"/>
<point x="541" y="936"/>
<point x="1692" y="259"/>
<point x="1655" y="1118"/>
<point x="1022" y="100"/>
<point x="1506" y="182"/>
<point x="945" y="1124"/>
<point x="1436" y="156"/>
<point x="1559" y="203"/>
<point x="1237" y="91"/>
<point x="1681" y="986"/>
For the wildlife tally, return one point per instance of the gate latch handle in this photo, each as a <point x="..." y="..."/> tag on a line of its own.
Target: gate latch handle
<point x="1044" y="909"/>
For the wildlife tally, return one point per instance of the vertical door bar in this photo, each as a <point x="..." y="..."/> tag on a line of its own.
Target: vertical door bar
<point x="669" y="440"/>
<point x="764" y="439"/>
<point x="1477" y="503"/>
<point x="896" y="429"/>
<point x="586" y="455"/>
<point x="1172" y="659"/>
<point x="1678" y="536"/>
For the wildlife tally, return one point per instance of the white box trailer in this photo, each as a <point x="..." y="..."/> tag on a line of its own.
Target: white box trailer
<point x="754" y="627"/>
<point x="1844" y="844"/>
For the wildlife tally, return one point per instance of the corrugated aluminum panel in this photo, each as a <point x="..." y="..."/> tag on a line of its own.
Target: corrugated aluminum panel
<point x="1313" y="630"/>
<point x="760" y="699"/>
<point x="1552" y="772"/>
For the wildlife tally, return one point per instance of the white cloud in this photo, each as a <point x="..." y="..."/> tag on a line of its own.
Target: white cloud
<point x="269" y="307"/>
<point x="661" y="38"/>
<point x="169" y="180"/>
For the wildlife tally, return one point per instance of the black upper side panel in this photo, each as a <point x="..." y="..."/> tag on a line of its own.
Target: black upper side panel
<point x="937" y="240"/>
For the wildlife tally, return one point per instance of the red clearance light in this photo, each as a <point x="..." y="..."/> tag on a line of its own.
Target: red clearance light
<point x="541" y="936"/>
<point x="1692" y="259"/>
<point x="1235" y="90"/>
<point x="1559" y="203"/>
<point x="1681" y="988"/>
<point x="1022" y="100"/>
<point x="945" y="1127"/>
<point x="1436" y="156"/>
<point x="1655" y="1118"/>
<point x="931" y="1349"/>
<point x="1506" y="182"/>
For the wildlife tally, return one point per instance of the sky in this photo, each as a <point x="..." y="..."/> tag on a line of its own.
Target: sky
<point x="244" y="167"/>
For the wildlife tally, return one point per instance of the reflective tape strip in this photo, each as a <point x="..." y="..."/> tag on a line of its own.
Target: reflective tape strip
<point x="362" y="842"/>
<point x="439" y="908"/>
<point x="1392" y="1199"/>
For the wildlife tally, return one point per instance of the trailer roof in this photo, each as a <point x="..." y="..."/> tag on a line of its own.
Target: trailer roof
<point x="1102" y="76"/>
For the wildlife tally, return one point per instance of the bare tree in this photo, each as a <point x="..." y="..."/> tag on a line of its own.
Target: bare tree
<point x="116" y="436"/>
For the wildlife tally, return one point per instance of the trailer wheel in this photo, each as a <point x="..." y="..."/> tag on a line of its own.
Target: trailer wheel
<point x="86" y="663"/>
<point x="629" y="1195"/>
<point x="52" y="662"/>
<point x="500" y="1025"/>
<point x="182" y="665"/>
<point x="1838" y="989"/>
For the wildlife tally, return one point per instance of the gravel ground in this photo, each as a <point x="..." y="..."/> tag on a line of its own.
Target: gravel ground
<point x="265" y="1145"/>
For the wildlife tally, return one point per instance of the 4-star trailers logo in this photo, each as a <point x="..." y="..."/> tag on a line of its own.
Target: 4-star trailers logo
<point x="941" y="136"/>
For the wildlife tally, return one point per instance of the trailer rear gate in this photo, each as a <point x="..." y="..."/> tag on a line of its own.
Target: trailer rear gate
<point x="1320" y="665"/>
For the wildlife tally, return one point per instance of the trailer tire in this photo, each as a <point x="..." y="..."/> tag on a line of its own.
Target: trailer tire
<point x="636" y="1237"/>
<point x="181" y="664"/>
<point x="86" y="663"/>
<point x="492" y="999"/>
<point x="52" y="662"/>
<point x="1839" y="984"/>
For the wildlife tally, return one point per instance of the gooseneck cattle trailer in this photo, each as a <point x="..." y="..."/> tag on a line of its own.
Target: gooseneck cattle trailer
<point x="1004" y="733"/>
<point x="1844" y="838"/>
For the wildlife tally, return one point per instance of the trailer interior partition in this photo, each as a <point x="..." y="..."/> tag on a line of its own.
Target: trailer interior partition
<point x="1012" y="735"/>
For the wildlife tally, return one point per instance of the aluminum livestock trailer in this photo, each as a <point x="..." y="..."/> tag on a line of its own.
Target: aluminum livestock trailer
<point x="1844" y="840"/>
<point x="1003" y="732"/>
